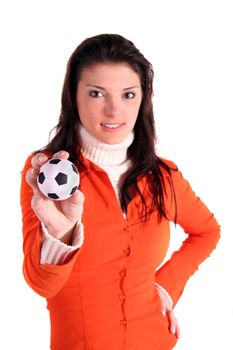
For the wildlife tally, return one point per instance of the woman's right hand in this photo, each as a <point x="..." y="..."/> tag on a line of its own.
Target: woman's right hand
<point x="59" y="217"/>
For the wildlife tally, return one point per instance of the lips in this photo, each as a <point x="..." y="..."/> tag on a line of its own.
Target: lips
<point x="112" y="125"/>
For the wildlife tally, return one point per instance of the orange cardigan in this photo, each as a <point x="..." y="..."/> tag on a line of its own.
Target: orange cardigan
<point x="104" y="297"/>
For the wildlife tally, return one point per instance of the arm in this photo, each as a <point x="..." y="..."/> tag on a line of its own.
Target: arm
<point x="203" y="234"/>
<point x="48" y="279"/>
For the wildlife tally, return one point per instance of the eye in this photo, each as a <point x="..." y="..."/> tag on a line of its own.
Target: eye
<point x="95" y="93"/>
<point x="129" y="95"/>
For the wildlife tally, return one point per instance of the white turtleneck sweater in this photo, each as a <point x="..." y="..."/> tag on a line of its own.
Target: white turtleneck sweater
<point x="113" y="160"/>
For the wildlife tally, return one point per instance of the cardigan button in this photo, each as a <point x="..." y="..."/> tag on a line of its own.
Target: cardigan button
<point x="126" y="252"/>
<point x="122" y="273"/>
<point x="123" y="322"/>
<point x="122" y="296"/>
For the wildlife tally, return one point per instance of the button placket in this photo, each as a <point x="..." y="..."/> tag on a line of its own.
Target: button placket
<point x="123" y="272"/>
<point x="122" y="296"/>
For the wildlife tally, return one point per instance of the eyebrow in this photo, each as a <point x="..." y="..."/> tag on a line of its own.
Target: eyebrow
<point x="102" y="88"/>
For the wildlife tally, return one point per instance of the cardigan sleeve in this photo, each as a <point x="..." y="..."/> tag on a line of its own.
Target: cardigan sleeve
<point x="46" y="280"/>
<point x="201" y="227"/>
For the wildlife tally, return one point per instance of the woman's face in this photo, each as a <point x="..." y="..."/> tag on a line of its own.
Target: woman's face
<point x="108" y="100"/>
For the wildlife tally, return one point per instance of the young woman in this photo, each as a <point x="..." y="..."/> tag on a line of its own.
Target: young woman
<point x="97" y="256"/>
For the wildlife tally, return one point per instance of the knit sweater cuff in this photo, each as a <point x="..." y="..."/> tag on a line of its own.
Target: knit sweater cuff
<point x="53" y="251"/>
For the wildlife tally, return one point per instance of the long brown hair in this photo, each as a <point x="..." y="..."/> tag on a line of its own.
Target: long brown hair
<point x="116" y="49"/>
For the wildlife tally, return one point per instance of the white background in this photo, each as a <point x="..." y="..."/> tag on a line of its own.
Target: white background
<point x="190" y="46"/>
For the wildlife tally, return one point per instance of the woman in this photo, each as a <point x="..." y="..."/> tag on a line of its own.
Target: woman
<point x="97" y="260"/>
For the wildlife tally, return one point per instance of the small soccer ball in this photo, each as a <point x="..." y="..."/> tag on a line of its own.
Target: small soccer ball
<point x="58" y="179"/>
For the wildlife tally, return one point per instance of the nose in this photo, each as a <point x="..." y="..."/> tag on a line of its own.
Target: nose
<point x="113" y="107"/>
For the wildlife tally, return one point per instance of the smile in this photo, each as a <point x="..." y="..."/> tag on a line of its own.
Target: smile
<point x="112" y="126"/>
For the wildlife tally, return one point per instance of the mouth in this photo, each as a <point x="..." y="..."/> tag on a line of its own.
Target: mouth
<point x="112" y="126"/>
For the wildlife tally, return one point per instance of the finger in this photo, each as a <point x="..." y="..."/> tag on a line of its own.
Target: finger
<point x="173" y="323"/>
<point x="37" y="202"/>
<point x="77" y="198"/>
<point x="178" y="330"/>
<point x="73" y="206"/>
<point x="61" y="154"/>
<point x="163" y="309"/>
<point x="31" y="178"/>
<point x="38" y="160"/>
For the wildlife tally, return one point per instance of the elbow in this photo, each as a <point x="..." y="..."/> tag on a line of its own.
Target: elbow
<point x="214" y="237"/>
<point x="38" y="283"/>
<point x="216" y="231"/>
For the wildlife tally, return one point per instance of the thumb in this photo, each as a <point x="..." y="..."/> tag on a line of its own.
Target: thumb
<point x="77" y="198"/>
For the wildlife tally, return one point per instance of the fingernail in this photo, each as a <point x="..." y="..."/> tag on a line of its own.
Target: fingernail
<point x="163" y="311"/>
<point x="173" y="330"/>
<point x="60" y="153"/>
<point x="42" y="158"/>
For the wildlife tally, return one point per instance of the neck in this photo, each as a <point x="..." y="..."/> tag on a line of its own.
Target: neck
<point x="101" y="153"/>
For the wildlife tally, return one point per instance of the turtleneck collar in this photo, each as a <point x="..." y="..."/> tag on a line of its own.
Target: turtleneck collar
<point x="102" y="153"/>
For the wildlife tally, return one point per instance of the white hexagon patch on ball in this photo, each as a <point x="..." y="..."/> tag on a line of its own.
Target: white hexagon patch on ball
<point x="58" y="179"/>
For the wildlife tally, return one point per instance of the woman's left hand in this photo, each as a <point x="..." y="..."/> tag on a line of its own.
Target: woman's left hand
<point x="166" y="309"/>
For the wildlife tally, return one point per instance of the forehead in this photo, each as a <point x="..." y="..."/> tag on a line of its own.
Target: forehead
<point x="109" y="72"/>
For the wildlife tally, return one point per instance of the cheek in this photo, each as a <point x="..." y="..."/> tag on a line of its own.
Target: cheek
<point x="84" y="108"/>
<point x="133" y="112"/>
<point x="89" y="114"/>
<point x="91" y="105"/>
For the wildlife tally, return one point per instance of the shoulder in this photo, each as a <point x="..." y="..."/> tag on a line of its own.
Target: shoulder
<point x="166" y="166"/>
<point x="168" y="162"/>
<point x="172" y="175"/>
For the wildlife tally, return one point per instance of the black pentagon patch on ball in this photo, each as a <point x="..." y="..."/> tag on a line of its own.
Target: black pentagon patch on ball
<point x="41" y="178"/>
<point x="54" y="161"/>
<point x="73" y="190"/>
<point x="53" y="195"/>
<point x="74" y="168"/>
<point x="61" y="178"/>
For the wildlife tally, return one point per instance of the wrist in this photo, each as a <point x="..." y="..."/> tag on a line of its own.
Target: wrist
<point x="65" y="236"/>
